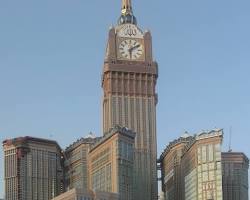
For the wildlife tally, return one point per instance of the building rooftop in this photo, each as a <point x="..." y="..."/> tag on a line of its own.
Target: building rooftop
<point x="174" y="143"/>
<point x="237" y="156"/>
<point x="23" y="140"/>
<point x="204" y="135"/>
<point x="190" y="140"/>
<point x="116" y="129"/>
<point x="89" y="139"/>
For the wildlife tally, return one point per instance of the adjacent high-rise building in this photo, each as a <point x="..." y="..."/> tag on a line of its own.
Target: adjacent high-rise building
<point x="129" y="85"/>
<point x="76" y="162"/>
<point x="33" y="169"/>
<point x="201" y="167"/>
<point x="111" y="162"/>
<point x="235" y="176"/>
<point x="191" y="167"/>
<point x="170" y="161"/>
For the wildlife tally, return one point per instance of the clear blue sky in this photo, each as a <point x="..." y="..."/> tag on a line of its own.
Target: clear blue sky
<point x="51" y="56"/>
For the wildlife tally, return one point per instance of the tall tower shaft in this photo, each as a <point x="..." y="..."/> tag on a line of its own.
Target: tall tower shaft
<point x="129" y="82"/>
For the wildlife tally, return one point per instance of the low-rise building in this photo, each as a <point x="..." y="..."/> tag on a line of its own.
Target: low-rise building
<point x="81" y="194"/>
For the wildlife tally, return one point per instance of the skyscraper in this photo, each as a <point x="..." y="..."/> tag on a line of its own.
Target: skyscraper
<point x="191" y="167"/>
<point x="201" y="167"/>
<point x="235" y="167"/>
<point x="129" y="81"/>
<point x="33" y="169"/>
<point x="170" y="162"/>
<point x="111" y="162"/>
<point x="76" y="162"/>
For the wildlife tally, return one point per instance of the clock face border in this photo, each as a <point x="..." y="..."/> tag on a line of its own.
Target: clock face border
<point x="121" y="57"/>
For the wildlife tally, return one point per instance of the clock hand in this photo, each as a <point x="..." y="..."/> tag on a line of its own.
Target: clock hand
<point x="135" y="47"/>
<point x="130" y="53"/>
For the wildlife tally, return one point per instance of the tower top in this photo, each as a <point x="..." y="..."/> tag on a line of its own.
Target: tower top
<point x="127" y="16"/>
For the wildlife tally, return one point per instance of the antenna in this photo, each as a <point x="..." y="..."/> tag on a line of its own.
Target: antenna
<point x="230" y="139"/>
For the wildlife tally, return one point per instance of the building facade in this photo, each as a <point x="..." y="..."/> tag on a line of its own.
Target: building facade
<point x="111" y="163"/>
<point x="235" y="176"/>
<point x="170" y="161"/>
<point x="33" y="169"/>
<point x="201" y="167"/>
<point x="76" y="163"/>
<point x="191" y="167"/>
<point x="129" y="82"/>
<point x="83" y="194"/>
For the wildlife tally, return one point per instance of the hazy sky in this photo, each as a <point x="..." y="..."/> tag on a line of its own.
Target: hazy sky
<point x="51" y="57"/>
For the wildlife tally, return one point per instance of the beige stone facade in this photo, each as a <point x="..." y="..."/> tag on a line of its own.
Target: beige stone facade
<point x="129" y="82"/>
<point x="191" y="167"/>
<point x="81" y="194"/>
<point x="33" y="169"/>
<point x="171" y="167"/>
<point x="76" y="162"/>
<point x="201" y="167"/>
<point x="111" y="162"/>
<point x="235" y="167"/>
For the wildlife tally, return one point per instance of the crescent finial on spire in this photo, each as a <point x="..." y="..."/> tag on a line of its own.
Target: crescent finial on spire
<point x="127" y="16"/>
<point x="126" y="7"/>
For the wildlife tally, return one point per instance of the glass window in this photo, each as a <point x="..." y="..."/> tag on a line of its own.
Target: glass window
<point x="218" y="148"/>
<point x="210" y="153"/>
<point x="205" y="176"/>
<point x="199" y="155"/>
<point x="204" y="153"/>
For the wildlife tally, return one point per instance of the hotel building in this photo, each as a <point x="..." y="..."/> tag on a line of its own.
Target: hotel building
<point x="171" y="167"/>
<point x="33" y="169"/>
<point x="129" y="84"/>
<point x="111" y="163"/>
<point x="191" y="167"/>
<point x="76" y="162"/>
<point x="235" y="176"/>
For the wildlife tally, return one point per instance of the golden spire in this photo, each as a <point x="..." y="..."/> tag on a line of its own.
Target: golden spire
<point x="127" y="16"/>
<point x="126" y="7"/>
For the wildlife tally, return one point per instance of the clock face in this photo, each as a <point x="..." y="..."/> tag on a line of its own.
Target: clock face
<point x="131" y="49"/>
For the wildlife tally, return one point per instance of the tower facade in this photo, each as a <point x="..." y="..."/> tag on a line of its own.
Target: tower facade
<point x="111" y="162"/>
<point x="201" y="175"/>
<point x="33" y="169"/>
<point x="76" y="162"/>
<point x="191" y="167"/>
<point x="129" y="81"/>
<point x="235" y="167"/>
<point x="170" y="162"/>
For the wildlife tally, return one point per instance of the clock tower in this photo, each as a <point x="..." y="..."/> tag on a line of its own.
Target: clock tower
<point x="129" y="81"/>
